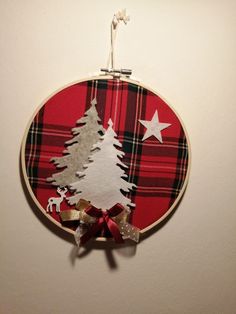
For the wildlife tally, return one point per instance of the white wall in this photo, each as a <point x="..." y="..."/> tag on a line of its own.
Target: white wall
<point x="186" y="51"/>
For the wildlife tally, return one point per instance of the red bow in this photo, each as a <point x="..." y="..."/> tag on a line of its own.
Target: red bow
<point x="104" y="221"/>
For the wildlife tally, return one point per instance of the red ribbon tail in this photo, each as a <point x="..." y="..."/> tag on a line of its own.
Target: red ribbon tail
<point x="114" y="229"/>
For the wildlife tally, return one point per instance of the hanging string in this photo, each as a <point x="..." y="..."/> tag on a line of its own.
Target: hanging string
<point x="117" y="18"/>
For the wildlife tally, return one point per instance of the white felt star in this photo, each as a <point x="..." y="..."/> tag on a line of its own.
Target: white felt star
<point x="154" y="127"/>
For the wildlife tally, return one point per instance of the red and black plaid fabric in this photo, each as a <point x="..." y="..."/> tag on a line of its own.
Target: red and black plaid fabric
<point x="158" y="169"/>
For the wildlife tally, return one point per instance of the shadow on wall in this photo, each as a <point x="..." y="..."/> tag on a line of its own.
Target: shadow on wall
<point x="127" y="249"/>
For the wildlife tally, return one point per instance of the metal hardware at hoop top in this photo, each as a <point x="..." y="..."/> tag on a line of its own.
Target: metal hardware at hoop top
<point x="117" y="73"/>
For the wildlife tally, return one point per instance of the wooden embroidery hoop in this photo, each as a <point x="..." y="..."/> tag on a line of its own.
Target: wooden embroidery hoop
<point x="103" y="77"/>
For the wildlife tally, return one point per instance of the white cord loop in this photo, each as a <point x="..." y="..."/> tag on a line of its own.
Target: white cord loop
<point x="117" y="18"/>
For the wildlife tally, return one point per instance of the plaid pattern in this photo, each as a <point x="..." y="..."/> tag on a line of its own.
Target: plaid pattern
<point x="158" y="169"/>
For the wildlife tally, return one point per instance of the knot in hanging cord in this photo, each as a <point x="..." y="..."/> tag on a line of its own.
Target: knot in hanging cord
<point x="120" y="16"/>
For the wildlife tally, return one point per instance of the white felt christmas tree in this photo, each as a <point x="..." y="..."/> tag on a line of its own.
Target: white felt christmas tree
<point x="78" y="148"/>
<point x="102" y="182"/>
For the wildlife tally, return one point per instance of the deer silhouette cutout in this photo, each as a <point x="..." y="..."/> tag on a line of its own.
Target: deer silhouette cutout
<point x="56" y="200"/>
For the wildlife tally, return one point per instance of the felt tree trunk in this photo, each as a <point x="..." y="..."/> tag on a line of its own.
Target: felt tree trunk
<point x="102" y="182"/>
<point x="78" y="148"/>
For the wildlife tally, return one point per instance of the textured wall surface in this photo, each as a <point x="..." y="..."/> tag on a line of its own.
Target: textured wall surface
<point x="185" y="50"/>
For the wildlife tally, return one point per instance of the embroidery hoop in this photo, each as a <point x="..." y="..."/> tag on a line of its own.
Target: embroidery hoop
<point x="104" y="77"/>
